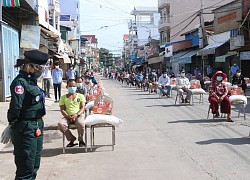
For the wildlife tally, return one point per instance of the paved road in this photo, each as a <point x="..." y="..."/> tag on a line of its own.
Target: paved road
<point x="157" y="141"/>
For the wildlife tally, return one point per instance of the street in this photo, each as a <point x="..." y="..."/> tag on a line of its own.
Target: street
<point x="158" y="140"/>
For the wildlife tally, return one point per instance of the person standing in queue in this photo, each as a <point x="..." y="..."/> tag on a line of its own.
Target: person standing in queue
<point x="57" y="75"/>
<point x="27" y="107"/>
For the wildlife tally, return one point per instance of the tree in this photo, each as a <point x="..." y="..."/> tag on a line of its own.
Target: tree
<point x="106" y="57"/>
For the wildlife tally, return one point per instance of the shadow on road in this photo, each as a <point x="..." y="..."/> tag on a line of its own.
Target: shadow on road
<point x="199" y="121"/>
<point x="162" y="105"/>
<point x="233" y="141"/>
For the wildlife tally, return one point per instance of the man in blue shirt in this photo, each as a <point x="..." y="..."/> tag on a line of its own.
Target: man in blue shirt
<point x="164" y="83"/>
<point x="234" y="69"/>
<point x="57" y="75"/>
<point x="71" y="73"/>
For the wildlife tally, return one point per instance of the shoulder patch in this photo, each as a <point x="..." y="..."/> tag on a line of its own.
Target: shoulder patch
<point x="78" y="99"/>
<point x="19" y="89"/>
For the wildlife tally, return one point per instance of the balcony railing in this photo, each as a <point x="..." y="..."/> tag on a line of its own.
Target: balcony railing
<point x="139" y="23"/>
<point x="164" y="22"/>
<point x="54" y="4"/>
<point x="163" y="3"/>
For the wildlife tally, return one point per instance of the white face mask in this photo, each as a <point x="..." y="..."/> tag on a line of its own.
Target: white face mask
<point x="79" y="85"/>
<point x="57" y="67"/>
<point x="238" y="74"/>
<point x="182" y="74"/>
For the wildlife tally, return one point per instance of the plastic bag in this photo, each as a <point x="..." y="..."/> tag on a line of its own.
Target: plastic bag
<point x="6" y="135"/>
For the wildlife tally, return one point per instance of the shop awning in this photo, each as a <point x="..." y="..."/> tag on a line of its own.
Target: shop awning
<point x="214" y="42"/>
<point x="210" y="49"/>
<point x="11" y="3"/>
<point x="175" y="58"/>
<point x="155" y="60"/>
<point x="223" y="58"/>
<point x="49" y="33"/>
<point x="63" y="59"/>
<point x="187" y="58"/>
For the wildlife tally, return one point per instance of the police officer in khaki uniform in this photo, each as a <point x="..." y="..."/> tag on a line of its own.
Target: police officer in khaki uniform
<point x="27" y="107"/>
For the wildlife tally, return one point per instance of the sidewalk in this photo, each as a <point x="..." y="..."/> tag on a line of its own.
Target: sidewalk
<point x="4" y="106"/>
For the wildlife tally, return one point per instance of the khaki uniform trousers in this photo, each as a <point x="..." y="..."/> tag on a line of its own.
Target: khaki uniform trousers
<point x="79" y="122"/>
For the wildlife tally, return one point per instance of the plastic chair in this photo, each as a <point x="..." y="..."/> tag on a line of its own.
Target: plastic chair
<point x="102" y="105"/>
<point x="241" y="100"/>
<point x="73" y="127"/>
<point x="197" y="90"/>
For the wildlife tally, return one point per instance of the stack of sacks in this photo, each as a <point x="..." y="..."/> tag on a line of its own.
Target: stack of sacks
<point x="102" y="118"/>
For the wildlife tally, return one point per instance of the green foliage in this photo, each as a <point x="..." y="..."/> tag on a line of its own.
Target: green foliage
<point x="106" y="57"/>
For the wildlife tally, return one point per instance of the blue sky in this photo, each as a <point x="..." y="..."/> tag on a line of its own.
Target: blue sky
<point x="108" y="19"/>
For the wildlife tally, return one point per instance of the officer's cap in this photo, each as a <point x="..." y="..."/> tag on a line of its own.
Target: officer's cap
<point x="36" y="57"/>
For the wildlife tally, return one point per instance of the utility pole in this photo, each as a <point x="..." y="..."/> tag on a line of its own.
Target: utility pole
<point x="203" y="35"/>
<point x="2" y="96"/>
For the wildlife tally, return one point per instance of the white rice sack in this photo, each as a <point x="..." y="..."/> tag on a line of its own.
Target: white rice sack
<point x="173" y="86"/>
<point x="198" y="91"/>
<point x="238" y="98"/>
<point x="89" y="105"/>
<point x="106" y="94"/>
<point x="101" y="118"/>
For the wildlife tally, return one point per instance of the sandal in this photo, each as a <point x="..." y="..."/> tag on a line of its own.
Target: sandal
<point x="229" y="120"/>
<point x="71" y="144"/>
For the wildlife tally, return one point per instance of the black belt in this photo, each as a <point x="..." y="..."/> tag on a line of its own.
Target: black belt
<point x="30" y="119"/>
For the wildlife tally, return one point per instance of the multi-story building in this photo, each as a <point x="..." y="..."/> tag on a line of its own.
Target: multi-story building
<point x="164" y="22"/>
<point x="125" y="53"/>
<point x="70" y="16"/>
<point x="143" y="28"/>
<point x="178" y="16"/>
<point x="90" y="51"/>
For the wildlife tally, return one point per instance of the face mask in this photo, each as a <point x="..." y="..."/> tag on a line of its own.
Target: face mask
<point x="182" y="74"/>
<point x="164" y="75"/>
<point x="38" y="73"/>
<point x="72" y="90"/>
<point x="71" y="68"/>
<point x="57" y="67"/>
<point x="79" y="85"/>
<point x="238" y="74"/>
<point x="219" y="78"/>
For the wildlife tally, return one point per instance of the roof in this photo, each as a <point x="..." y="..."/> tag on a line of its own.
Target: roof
<point x="90" y="38"/>
<point x="144" y="10"/>
<point x="224" y="5"/>
<point x="125" y="36"/>
<point x="193" y="30"/>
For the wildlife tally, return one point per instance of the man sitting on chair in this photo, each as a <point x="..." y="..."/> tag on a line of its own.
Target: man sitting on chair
<point x="164" y="82"/>
<point x="72" y="108"/>
<point x="183" y="85"/>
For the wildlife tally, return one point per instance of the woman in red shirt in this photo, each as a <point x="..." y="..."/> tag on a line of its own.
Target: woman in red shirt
<point x="218" y="95"/>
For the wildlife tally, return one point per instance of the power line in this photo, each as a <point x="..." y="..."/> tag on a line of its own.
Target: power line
<point x="101" y="5"/>
<point x="116" y="7"/>
<point x="175" y="35"/>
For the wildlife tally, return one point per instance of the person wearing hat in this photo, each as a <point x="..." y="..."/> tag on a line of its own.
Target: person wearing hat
<point x="25" y="113"/>
<point x="183" y="85"/>
<point x="238" y="80"/>
<point x="218" y="95"/>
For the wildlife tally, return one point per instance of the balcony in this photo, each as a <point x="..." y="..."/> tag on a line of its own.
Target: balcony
<point x="132" y="25"/>
<point x="54" y="5"/>
<point x="163" y="3"/>
<point x="164" y="23"/>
